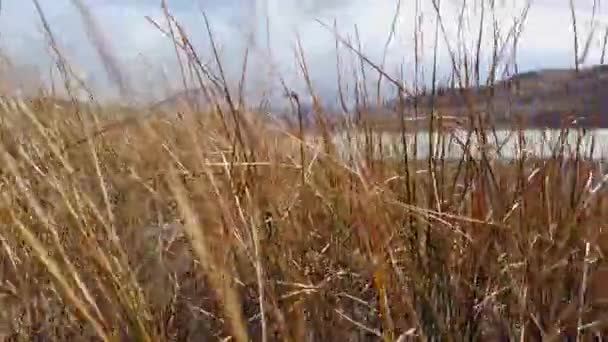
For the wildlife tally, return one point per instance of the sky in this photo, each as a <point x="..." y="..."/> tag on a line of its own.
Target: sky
<point x="148" y="60"/>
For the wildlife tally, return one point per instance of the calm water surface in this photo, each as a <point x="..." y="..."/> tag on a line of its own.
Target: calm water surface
<point x="504" y="144"/>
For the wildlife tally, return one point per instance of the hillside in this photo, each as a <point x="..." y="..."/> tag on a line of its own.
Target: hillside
<point x="543" y="98"/>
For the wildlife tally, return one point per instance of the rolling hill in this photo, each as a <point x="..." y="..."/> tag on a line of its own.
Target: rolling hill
<point x="544" y="98"/>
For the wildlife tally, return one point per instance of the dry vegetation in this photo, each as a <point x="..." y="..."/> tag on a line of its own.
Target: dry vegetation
<point x="220" y="226"/>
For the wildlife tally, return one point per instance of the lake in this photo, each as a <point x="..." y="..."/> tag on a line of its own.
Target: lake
<point x="505" y="144"/>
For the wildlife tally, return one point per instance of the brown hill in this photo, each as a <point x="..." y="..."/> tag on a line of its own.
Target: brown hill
<point x="545" y="98"/>
<point x="549" y="98"/>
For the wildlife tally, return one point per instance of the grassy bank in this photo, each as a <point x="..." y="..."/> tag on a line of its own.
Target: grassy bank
<point x="185" y="229"/>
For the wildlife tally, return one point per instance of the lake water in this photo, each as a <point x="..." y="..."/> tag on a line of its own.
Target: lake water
<point x="504" y="144"/>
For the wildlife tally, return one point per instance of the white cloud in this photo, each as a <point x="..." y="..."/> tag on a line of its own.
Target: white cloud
<point x="546" y="42"/>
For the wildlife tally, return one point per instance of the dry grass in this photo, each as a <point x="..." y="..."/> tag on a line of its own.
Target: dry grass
<point x="165" y="229"/>
<point x="217" y="225"/>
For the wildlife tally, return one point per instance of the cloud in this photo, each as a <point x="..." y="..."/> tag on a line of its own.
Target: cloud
<point x="145" y="54"/>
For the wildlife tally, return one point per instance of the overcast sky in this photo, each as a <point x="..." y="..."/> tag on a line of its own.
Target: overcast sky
<point x="144" y="53"/>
